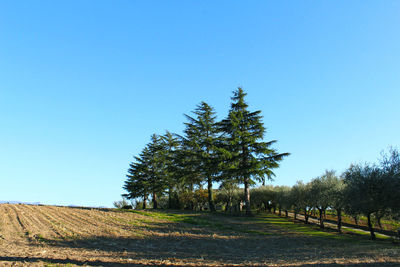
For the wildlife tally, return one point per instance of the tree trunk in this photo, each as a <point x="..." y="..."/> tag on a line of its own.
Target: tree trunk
<point x="295" y="214"/>
<point x="265" y="206"/>
<point x="169" y="198"/>
<point x="379" y="222"/>
<point x="280" y="212"/>
<point x="355" y="220"/>
<point x="305" y="215"/>
<point x="155" y="202"/>
<point x="286" y="213"/>
<point x="371" y="229"/>
<point x="210" y="194"/>
<point x="247" y="195"/>
<point x="321" y="218"/>
<point x="144" y="201"/>
<point x="191" y="202"/>
<point x="339" y="220"/>
<point x="259" y="207"/>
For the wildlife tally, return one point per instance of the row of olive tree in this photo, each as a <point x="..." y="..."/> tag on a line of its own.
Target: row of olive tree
<point x="363" y="189"/>
<point x="229" y="152"/>
<point x="374" y="190"/>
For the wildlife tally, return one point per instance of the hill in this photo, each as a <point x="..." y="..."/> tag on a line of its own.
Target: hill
<point x="47" y="235"/>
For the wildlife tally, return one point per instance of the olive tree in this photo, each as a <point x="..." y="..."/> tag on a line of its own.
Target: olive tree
<point x="365" y="189"/>
<point x="283" y="199"/>
<point x="302" y="199"/>
<point x="390" y="165"/>
<point x="322" y="193"/>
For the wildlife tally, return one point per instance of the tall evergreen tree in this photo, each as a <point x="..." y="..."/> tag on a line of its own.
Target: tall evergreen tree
<point x="148" y="175"/>
<point x="171" y="146"/>
<point x="203" y="133"/>
<point x="250" y="158"/>
<point x="188" y="160"/>
<point x="137" y="184"/>
<point x="156" y="168"/>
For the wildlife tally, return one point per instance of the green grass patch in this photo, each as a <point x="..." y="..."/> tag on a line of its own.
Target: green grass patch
<point x="256" y="223"/>
<point x="366" y="234"/>
<point x="198" y="219"/>
<point x="299" y="228"/>
<point x="202" y="219"/>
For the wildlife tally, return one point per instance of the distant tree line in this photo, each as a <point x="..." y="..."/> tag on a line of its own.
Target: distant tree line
<point x="229" y="152"/>
<point x="370" y="190"/>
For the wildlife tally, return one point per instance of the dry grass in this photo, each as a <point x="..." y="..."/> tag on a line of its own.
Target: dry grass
<point x="53" y="236"/>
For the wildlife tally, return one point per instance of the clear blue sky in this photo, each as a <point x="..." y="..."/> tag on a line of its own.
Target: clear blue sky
<point x="83" y="85"/>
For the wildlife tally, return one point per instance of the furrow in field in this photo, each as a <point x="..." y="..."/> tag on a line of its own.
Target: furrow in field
<point x="79" y="219"/>
<point x="41" y="227"/>
<point x="98" y="219"/>
<point x="25" y="220"/>
<point x="35" y="217"/>
<point x="128" y="222"/>
<point x="69" y="229"/>
<point x="7" y="229"/>
<point x="97" y="222"/>
<point x="15" y="230"/>
<point x="75" y="226"/>
<point x="52" y="225"/>
<point x="3" y="218"/>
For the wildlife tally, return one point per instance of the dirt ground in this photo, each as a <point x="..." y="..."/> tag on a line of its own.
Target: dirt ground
<point x="57" y="236"/>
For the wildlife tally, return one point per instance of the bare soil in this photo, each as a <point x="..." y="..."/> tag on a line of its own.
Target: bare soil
<point x="57" y="236"/>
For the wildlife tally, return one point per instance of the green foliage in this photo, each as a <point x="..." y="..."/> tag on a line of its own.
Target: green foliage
<point x="186" y="199"/>
<point x="170" y="146"/>
<point x="200" y="198"/>
<point x="231" y="152"/>
<point x="302" y="198"/>
<point x="282" y="198"/>
<point x="229" y="195"/>
<point x="122" y="204"/>
<point x="263" y="197"/>
<point x="365" y="190"/>
<point x="137" y="184"/>
<point x="390" y="165"/>
<point x="201" y="135"/>
<point x="148" y="174"/>
<point x="323" y="193"/>
<point x="374" y="189"/>
<point x="249" y="158"/>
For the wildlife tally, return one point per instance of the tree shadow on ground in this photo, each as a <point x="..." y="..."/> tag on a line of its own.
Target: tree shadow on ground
<point x="32" y="260"/>
<point x="200" y="242"/>
<point x="223" y="249"/>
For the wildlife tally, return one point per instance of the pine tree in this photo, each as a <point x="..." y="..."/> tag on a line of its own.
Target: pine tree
<point x="171" y="146"/>
<point x="188" y="162"/>
<point x="202" y="131"/>
<point x="155" y="161"/>
<point x="250" y="158"/>
<point x="137" y="184"/>
<point x="148" y="175"/>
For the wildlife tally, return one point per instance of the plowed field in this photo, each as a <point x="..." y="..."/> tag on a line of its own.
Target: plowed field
<point x="52" y="236"/>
